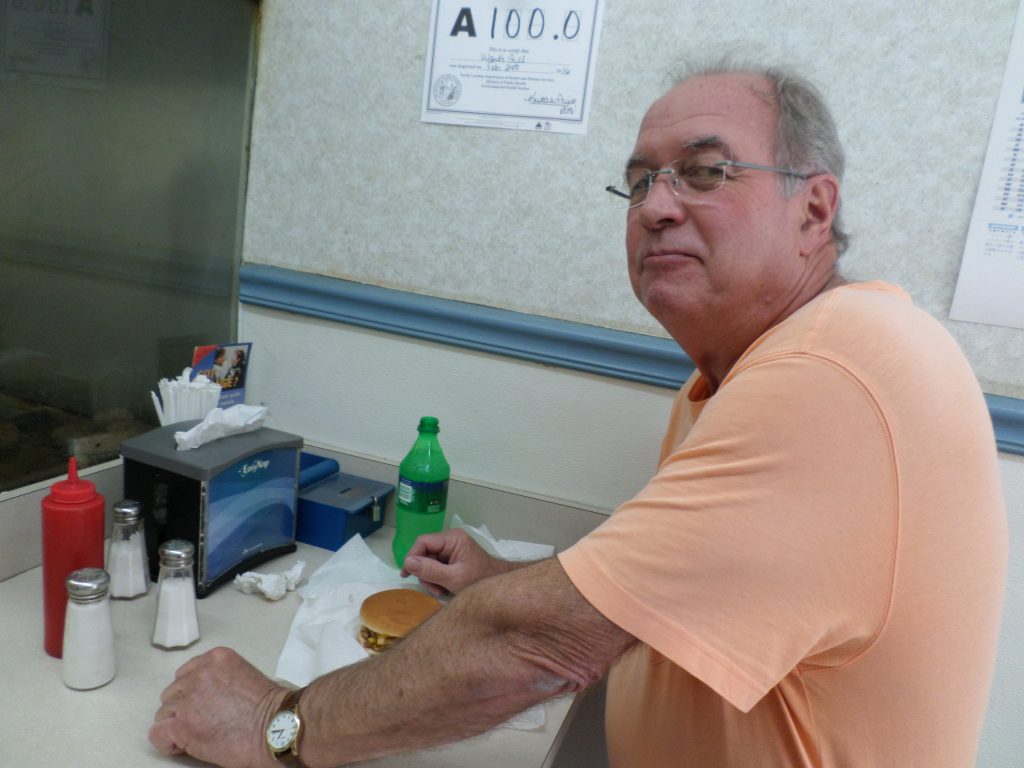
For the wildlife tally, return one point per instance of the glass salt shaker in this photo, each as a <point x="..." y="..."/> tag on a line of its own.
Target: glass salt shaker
<point x="88" y="660"/>
<point x="177" y="622"/>
<point x="126" y="555"/>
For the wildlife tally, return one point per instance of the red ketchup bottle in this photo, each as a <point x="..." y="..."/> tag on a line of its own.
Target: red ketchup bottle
<point x="72" y="539"/>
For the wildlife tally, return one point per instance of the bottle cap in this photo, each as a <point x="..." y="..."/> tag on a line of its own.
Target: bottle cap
<point x="73" y="490"/>
<point x="87" y="584"/>
<point x="429" y="424"/>
<point x="177" y="552"/>
<point x="127" y="511"/>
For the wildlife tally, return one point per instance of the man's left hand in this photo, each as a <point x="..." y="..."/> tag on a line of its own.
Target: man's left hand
<point x="216" y="710"/>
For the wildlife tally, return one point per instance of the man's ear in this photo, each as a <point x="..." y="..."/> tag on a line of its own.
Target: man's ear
<point x="820" y="198"/>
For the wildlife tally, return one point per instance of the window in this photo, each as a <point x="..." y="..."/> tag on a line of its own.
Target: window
<point x="123" y="148"/>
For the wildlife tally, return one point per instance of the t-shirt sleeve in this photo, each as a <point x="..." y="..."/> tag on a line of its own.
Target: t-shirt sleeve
<point x="765" y="541"/>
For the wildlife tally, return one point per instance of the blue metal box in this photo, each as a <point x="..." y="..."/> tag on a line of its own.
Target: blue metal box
<point x="335" y="506"/>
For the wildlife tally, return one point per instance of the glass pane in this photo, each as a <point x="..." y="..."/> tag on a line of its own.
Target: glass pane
<point x="123" y="148"/>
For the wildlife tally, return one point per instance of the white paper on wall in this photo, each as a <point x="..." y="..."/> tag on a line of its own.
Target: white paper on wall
<point x="506" y="65"/>
<point x="990" y="288"/>
<point x="56" y="42"/>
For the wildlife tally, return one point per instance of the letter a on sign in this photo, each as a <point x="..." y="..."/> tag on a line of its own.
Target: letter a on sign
<point x="464" y="23"/>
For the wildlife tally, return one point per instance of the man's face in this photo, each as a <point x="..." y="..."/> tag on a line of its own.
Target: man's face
<point x="709" y="255"/>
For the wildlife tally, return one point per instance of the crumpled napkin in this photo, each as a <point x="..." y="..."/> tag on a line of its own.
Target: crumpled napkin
<point x="322" y="637"/>
<point x="221" y="422"/>
<point x="272" y="586"/>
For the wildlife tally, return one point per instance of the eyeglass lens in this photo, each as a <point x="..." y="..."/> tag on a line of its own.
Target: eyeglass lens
<point x="683" y="178"/>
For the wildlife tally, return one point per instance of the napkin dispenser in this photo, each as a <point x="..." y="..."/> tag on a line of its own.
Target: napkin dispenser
<point x="334" y="506"/>
<point x="235" y="498"/>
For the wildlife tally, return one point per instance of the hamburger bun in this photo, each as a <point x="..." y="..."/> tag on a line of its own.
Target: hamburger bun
<point x="390" y="615"/>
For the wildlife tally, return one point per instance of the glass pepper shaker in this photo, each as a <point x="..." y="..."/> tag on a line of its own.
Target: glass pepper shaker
<point x="127" y="561"/>
<point x="177" y="622"/>
<point x="88" y="660"/>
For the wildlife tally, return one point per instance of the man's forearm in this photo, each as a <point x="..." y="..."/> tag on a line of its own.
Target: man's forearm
<point x="460" y="674"/>
<point x="405" y="705"/>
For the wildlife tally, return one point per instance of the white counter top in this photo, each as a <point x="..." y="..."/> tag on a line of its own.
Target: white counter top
<point x="47" y="724"/>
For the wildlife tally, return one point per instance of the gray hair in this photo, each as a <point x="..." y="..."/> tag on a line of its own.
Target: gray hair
<point x="806" y="137"/>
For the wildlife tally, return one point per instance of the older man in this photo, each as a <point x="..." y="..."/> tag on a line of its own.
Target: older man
<point x="813" y="577"/>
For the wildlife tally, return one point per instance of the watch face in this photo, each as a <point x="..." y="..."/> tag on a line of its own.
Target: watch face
<point x="282" y="730"/>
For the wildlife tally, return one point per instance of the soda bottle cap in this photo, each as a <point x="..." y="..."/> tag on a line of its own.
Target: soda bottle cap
<point x="73" y="490"/>
<point x="429" y="424"/>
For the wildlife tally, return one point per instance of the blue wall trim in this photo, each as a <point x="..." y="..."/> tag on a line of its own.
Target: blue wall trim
<point x="630" y="356"/>
<point x="1008" y="420"/>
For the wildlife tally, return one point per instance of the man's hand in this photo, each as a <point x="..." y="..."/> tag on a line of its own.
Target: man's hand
<point x="216" y="710"/>
<point x="450" y="561"/>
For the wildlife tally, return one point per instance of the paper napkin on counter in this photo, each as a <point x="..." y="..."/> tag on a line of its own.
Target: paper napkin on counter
<point x="272" y="586"/>
<point x="323" y="635"/>
<point x="508" y="549"/>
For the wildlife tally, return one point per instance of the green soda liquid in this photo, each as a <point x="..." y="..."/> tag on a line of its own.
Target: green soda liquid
<point x="422" y="494"/>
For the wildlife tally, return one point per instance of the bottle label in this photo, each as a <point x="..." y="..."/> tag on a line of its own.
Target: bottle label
<point x="426" y="498"/>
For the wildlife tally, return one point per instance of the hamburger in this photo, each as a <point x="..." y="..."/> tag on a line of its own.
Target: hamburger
<point x="390" y="615"/>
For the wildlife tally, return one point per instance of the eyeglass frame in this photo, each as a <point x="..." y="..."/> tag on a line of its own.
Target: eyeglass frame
<point x="676" y="182"/>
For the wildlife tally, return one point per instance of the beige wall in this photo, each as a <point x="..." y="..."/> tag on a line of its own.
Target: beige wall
<point x="346" y="181"/>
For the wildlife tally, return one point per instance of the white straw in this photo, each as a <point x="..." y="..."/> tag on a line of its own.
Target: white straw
<point x="159" y="410"/>
<point x="182" y="399"/>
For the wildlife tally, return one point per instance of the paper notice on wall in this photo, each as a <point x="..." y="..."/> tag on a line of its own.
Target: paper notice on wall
<point x="990" y="288"/>
<point x="56" y="42"/>
<point x="509" y="65"/>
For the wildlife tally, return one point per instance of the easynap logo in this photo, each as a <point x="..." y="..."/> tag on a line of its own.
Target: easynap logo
<point x="253" y="466"/>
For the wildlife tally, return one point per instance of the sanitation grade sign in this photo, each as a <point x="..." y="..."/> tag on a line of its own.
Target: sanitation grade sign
<point x="510" y="65"/>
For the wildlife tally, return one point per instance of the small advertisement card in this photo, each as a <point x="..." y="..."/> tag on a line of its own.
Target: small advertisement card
<point x="225" y="365"/>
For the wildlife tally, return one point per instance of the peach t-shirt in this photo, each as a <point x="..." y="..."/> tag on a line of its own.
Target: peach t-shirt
<point x="816" y="571"/>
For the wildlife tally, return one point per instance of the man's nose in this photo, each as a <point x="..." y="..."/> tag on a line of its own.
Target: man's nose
<point x="663" y="205"/>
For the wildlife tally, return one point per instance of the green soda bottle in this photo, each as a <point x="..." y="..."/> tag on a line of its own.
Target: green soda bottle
<point x="422" y="490"/>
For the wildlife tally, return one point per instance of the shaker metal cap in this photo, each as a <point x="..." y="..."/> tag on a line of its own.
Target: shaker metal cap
<point x="177" y="552"/>
<point x="87" y="584"/>
<point x="127" y="511"/>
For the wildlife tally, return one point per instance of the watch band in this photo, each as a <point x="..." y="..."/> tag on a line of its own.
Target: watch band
<point x="290" y="757"/>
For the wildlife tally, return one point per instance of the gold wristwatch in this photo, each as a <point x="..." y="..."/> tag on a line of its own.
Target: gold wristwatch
<point x="285" y="730"/>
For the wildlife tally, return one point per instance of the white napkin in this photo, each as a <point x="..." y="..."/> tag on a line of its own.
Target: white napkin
<point x="322" y="637"/>
<point x="221" y="422"/>
<point x="272" y="586"/>
<point x="508" y="549"/>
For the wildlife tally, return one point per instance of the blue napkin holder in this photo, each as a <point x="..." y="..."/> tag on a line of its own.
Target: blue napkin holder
<point x="234" y="498"/>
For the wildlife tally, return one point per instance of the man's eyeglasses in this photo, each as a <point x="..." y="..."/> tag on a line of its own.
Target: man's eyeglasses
<point x="685" y="178"/>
